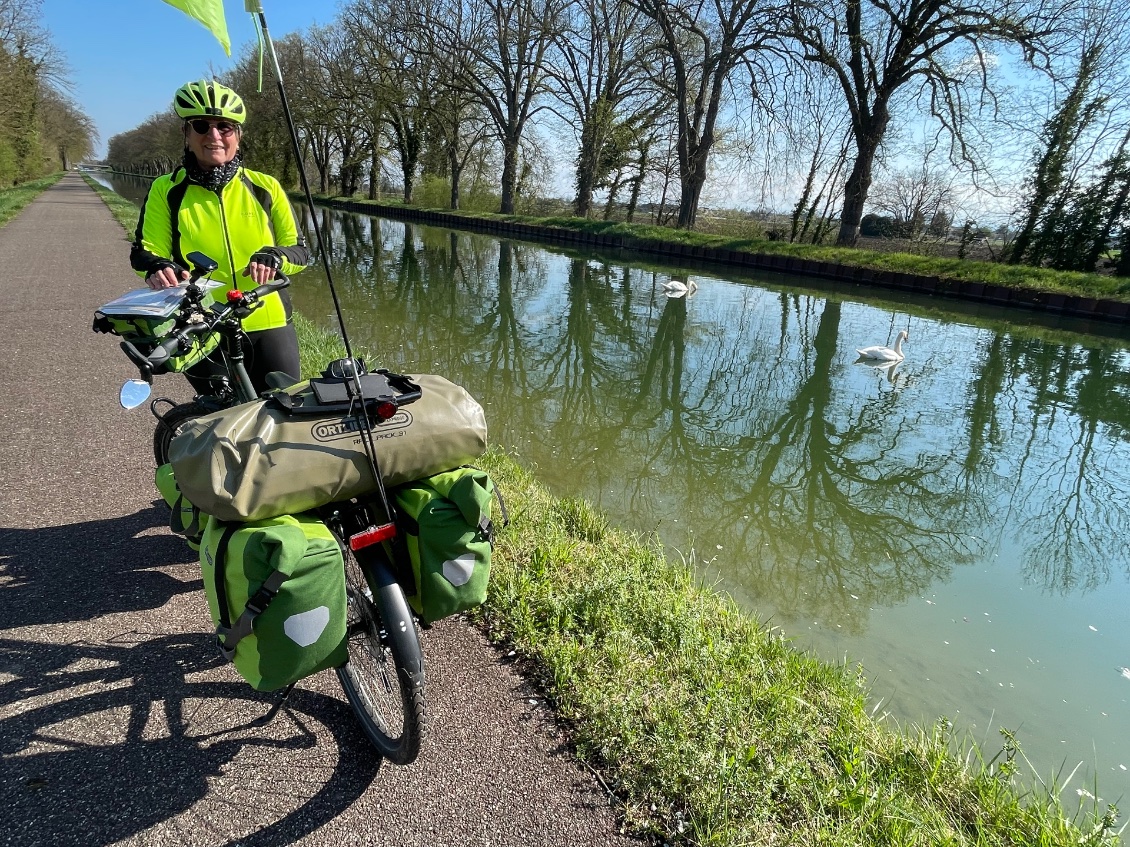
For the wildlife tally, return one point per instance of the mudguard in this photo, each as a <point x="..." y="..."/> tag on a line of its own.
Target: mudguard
<point x="395" y="613"/>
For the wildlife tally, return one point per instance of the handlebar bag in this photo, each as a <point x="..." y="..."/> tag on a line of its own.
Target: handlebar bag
<point x="145" y="318"/>
<point x="258" y="460"/>
<point x="445" y="520"/>
<point x="276" y="594"/>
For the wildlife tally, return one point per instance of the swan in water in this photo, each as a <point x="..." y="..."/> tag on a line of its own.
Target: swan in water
<point x="678" y="289"/>
<point x="884" y="354"/>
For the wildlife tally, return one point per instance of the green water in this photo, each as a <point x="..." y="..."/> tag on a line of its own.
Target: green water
<point x="955" y="524"/>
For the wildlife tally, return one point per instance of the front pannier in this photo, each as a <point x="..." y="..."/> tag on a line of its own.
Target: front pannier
<point x="145" y="318"/>
<point x="276" y="593"/>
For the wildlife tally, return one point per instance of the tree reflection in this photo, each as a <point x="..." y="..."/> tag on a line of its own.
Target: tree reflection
<point x="1073" y="528"/>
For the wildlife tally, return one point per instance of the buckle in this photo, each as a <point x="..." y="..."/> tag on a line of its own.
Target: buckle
<point x="259" y="601"/>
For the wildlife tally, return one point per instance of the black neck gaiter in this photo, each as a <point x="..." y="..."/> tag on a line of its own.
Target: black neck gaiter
<point x="211" y="178"/>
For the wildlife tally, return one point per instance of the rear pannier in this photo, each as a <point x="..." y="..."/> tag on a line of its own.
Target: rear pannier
<point x="276" y="593"/>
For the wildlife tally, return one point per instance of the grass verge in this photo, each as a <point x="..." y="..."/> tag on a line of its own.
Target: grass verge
<point x="126" y="212"/>
<point x="709" y="728"/>
<point x="12" y="200"/>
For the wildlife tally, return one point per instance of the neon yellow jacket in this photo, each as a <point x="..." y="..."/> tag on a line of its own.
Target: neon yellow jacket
<point x="250" y="214"/>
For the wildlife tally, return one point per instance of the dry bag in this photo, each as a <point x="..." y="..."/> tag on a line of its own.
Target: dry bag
<point x="272" y="458"/>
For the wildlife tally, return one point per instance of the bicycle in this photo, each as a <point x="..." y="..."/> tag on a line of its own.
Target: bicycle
<point x="383" y="678"/>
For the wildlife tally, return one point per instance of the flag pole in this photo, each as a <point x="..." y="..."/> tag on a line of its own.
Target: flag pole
<point x="255" y="7"/>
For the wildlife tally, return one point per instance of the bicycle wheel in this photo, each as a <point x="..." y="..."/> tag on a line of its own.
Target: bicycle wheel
<point x="388" y="699"/>
<point x="170" y="424"/>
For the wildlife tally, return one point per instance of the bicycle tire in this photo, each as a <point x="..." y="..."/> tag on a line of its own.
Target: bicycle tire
<point x="387" y="697"/>
<point x="170" y="424"/>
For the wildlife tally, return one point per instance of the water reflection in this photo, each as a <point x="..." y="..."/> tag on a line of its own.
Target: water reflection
<point x="954" y="522"/>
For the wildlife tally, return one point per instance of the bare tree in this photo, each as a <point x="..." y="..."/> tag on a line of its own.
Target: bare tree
<point x="599" y="71"/>
<point x="915" y="197"/>
<point x="937" y="49"/>
<point x="391" y="55"/>
<point x="704" y="42"/>
<point x="498" y="48"/>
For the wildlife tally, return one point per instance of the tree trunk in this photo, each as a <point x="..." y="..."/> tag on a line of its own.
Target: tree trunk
<point x="855" y="191"/>
<point x="582" y="203"/>
<point x="509" y="175"/>
<point x="586" y="170"/>
<point x="689" y="196"/>
<point x="456" y="169"/>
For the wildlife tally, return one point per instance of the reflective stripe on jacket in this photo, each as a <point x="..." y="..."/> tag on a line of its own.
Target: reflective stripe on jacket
<point x="250" y="212"/>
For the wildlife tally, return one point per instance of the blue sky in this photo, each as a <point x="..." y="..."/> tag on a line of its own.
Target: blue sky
<point x="126" y="58"/>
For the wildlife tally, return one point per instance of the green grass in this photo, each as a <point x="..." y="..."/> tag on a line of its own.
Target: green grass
<point x="12" y="200"/>
<point x="707" y="727"/>
<point x="125" y="211"/>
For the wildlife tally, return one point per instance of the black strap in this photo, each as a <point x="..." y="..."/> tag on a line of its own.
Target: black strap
<point x="263" y="196"/>
<point x="218" y="577"/>
<point x="229" y="637"/>
<point x="176" y="198"/>
<point x="502" y="507"/>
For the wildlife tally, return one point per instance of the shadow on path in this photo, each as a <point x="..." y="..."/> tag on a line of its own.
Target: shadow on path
<point x="78" y="572"/>
<point x="142" y="749"/>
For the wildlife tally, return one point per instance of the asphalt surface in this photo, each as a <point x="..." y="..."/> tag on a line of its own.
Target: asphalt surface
<point x="118" y="722"/>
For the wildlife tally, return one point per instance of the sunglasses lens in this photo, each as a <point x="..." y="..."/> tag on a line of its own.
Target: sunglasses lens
<point x="205" y="127"/>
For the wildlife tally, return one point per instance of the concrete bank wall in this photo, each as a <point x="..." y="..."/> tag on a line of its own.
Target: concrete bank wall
<point x="1114" y="311"/>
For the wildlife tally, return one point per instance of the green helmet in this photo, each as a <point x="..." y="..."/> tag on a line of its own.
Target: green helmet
<point x="208" y="99"/>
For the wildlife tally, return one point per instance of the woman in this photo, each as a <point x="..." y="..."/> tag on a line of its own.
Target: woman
<point x="239" y="217"/>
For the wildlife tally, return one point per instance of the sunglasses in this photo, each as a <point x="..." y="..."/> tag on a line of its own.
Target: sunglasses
<point x="205" y="127"/>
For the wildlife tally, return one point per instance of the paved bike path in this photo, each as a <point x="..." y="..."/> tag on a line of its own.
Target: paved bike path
<point x="117" y="722"/>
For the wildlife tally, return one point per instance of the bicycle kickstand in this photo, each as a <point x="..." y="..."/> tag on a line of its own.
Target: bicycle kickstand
<point x="267" y="718"/>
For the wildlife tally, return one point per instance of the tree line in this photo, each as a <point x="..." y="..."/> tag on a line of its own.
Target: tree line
<point x="41" y="128"/>
<point x="457" y="102"/>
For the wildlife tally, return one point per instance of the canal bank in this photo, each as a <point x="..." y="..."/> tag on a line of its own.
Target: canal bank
<point x="1049" y="302"/>
<point x="1115" y="312"/>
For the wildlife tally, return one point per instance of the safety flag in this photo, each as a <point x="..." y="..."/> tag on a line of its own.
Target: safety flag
<point x="211" y="14"/>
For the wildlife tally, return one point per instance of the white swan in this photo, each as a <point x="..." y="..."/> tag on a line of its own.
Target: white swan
<point x="884" y="354"/>
<point x="678" y="289"/>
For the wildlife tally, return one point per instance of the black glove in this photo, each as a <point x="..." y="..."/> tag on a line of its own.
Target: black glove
<point x="267" y="256"/>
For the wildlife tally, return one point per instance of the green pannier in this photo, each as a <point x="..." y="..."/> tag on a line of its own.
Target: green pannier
<point x="276" y="593"/>
<point x="184" y="518"/>
<point x="446" y="521"/>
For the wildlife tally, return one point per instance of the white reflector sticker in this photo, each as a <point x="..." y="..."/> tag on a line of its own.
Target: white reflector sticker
<point x="307" y="627"/>
<point x="459" y="571"/>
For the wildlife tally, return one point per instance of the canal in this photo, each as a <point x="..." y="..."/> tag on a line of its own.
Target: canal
<point x="955" y="523"/>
